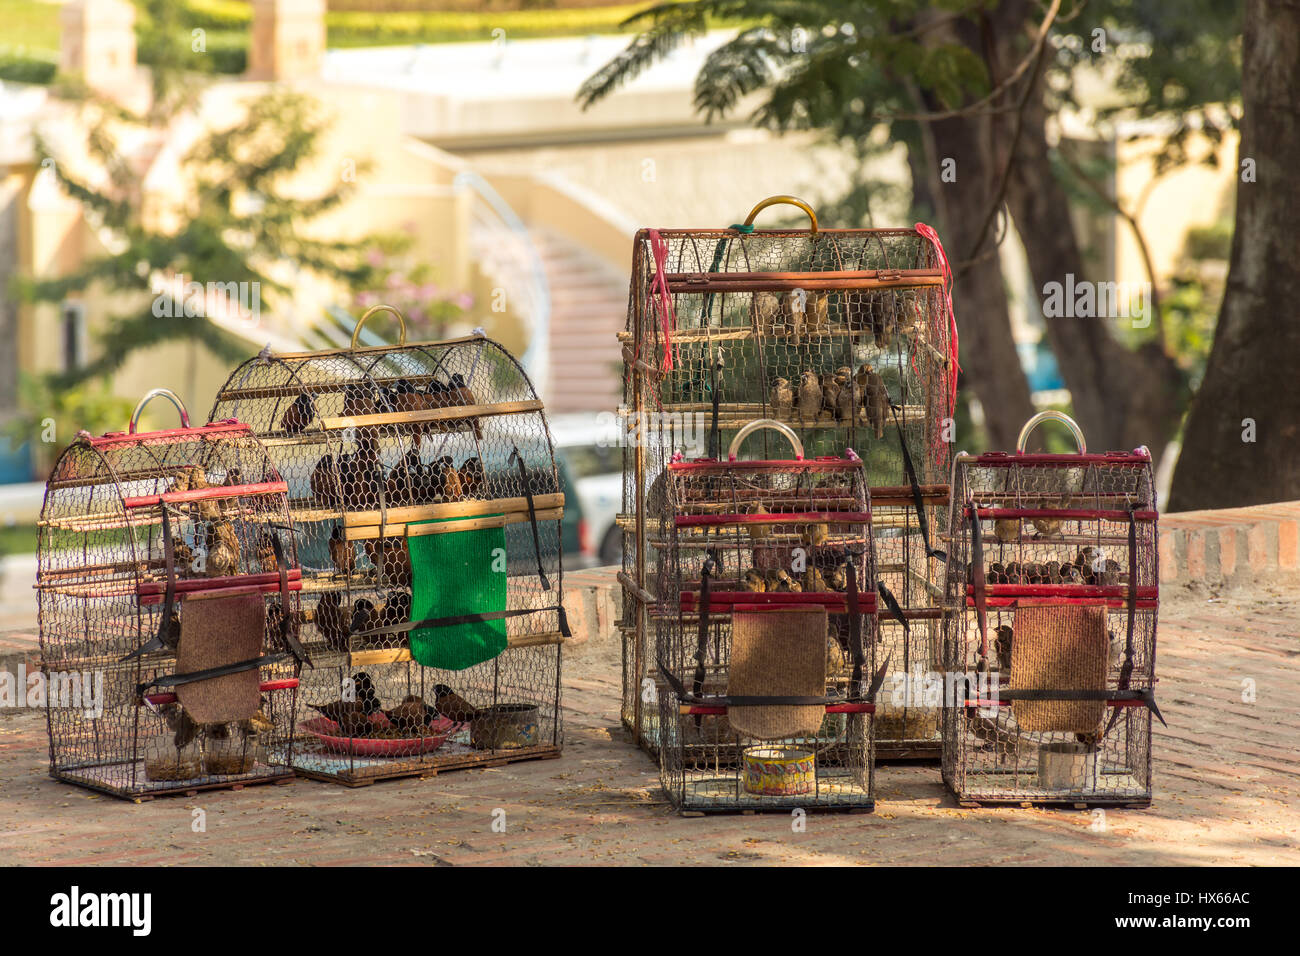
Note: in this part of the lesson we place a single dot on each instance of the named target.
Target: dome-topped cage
(167, 580)
(423, 486)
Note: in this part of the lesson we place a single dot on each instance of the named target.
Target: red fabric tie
(659, 288)
(933, 236)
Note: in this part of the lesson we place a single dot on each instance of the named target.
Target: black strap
(465, 619)
(977, 575)
(162, 638)
(703, 636)
(287, 637)
(753, 700)
(715, 437)
(532, 516)
(238, 667)
(1126, 669)
(855, 624)
(917, 498)
(1145, 694)
(891, 602)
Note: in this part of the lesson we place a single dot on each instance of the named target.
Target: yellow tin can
(779, 771)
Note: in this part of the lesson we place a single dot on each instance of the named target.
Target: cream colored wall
(1167, 206)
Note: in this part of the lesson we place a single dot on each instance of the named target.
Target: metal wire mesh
(101, 584)
(399, 460)
(775, 536)
(1065, 533)
(843, 335)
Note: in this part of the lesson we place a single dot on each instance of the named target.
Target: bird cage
(167, 579)
(765, 632)
(424, 491)
(847, 337)
(1053, 579)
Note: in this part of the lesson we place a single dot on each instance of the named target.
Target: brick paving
(1227, 780)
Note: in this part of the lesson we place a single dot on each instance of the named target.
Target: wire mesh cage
(1053, 577)
(167, 580)
(765, 632)
(424, 489)
(846, 336)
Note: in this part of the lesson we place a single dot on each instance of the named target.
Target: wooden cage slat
(449, 412)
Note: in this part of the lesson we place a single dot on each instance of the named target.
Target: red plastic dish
(326, 731)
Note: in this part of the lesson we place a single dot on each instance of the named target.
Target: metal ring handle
(1054, 416)
(371, 311)
(786, 201)
(759, 423)
(166, 393)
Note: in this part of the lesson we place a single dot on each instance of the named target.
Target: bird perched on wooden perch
(342, 554)
(1007, 530)
(1002, 645)
(875, 399)
(814, 535)
(753, 580)
(298, 415)
(758, 530)
(390, 557)
(363, 616)
(813, 580)
(847, 401)
(452, 706)
(453, 489)
(359, 399)
(782, 400)
(330, 623)
(810, 398)
(266, 553)
(830, 394)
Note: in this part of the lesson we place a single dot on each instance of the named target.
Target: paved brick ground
(1227, 784)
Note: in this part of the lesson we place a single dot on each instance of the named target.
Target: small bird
(830, 394)
(839, 579)
(1007, 530)
(779, 581)
(1052, 572)
(1071, 575)
(181, 724)
(330, 623)
(810, 398)
(782, 399)
(1002, 644)
(266, 559)
(363, 616)
(233, 477)
(359, 399)
(453, 489)
(452, 706)
(1013, 572)
(259, 723)
(396, 609)
(814, 535)
(223, 549)
(836, 659)
(404, 397)
(182, 556)
(754, 581)
(1046, 527)
(767, 309)
(342, 553)
(1110, 574)
(298, 415)
(876, 400)
(817, 313)
(758, 530)
(813, 580)
(324, 483)
(458, 393)
(192, 478)
(883, 322)
(412, 715)
(847, 401)
(391, 559)
(996, 574)
(472, 477)
(364, 703)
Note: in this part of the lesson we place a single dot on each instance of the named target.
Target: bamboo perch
(450, 509)
(467, 524)
(447, 413)
(398, 655)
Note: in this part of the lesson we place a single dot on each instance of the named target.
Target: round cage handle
(166, 393)
(356, 332)
(784, 201)
(761, 423)
(1054, 416)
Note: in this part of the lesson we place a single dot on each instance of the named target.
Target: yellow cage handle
(356, 332)
(784, 201)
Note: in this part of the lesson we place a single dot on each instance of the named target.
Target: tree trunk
(1121, 398)
(1252, 368)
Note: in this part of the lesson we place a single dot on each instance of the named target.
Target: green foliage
(68, 409)
(16, 67)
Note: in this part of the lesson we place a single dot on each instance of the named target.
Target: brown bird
(810, 399)
(192, 478)
(324, 483)
(883, 322)
(412, 715)
(342, 553)
(767, 309)
(1046, 527)
(359, 399)
(1002, 645)
(396, 609)
(390, 557)
(1007, 530)
(223, 549)
(403, 482)
(233, 477)
(830, 394)
(839, 579)
(298, 415)
(452, 706)
(758, 530)
(259, 723)
(453, 489)
(182, 725)
(875, 399)
(472, 477)
(361, 475)
(330, 623)
(814, 535)
(846, 403)
(458, 393)
(817, 320)
(364, 703)
(364, 616)
(182, 556)
(754, 581)
(782, 400)
(266, 553)
(813, 580)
